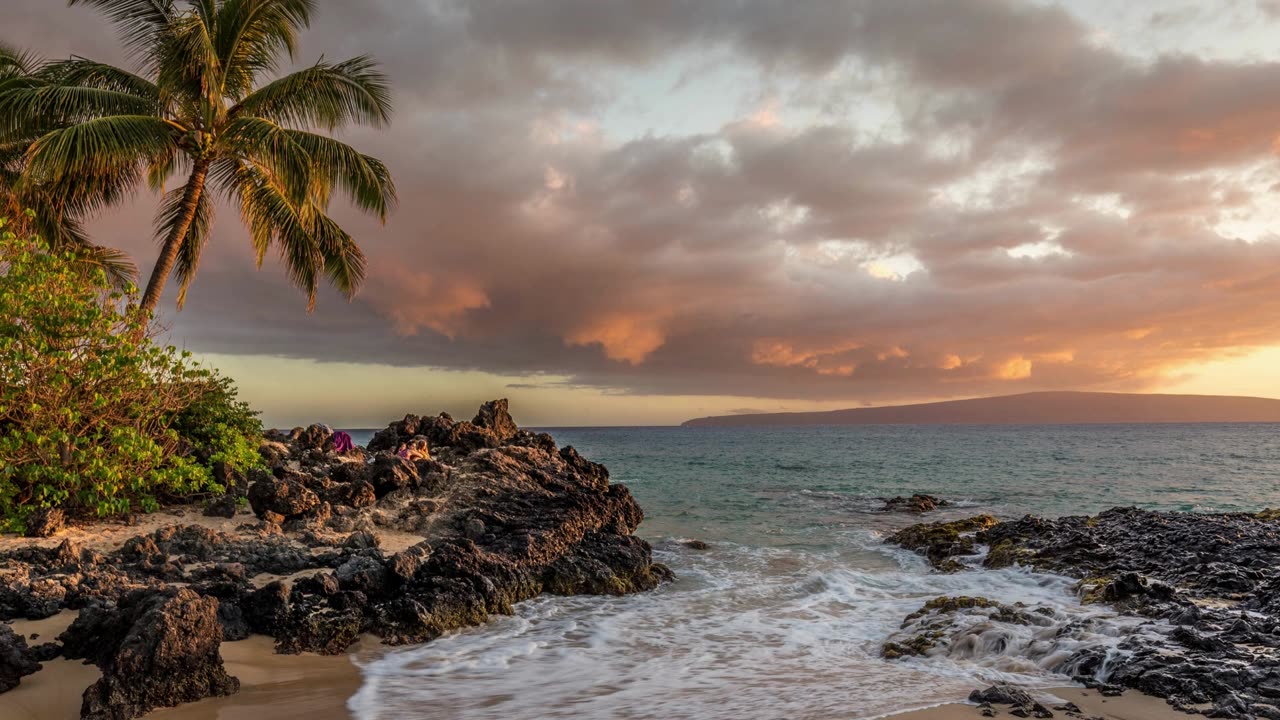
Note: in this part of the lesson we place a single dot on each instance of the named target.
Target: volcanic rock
(45, 522)
(917, 503)
(157, 650)
(16, 659)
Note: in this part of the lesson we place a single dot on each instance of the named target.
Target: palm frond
(187, 67)
(365, 179)
(100, 145)
(168, 216)
(273, 147)
(17, 63)
(251, 37)
(139, 21)
(64, 234)
(43, 106)
(272, 219)
(92, 74)
(328, 95)
(119, 267)
(344, 263)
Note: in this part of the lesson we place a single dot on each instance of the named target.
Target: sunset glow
(640, 212)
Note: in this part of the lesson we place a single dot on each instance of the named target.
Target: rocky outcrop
(917, 504)
(155, 650)
(493, 416)
(1019, 701)
(16, 659)
(1208, 585)
(45, 522)
(285, 497)
(943, 543)
(501, 515)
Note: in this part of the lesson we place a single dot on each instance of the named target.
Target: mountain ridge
(1064, 407)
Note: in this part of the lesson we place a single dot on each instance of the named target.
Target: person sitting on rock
(415, 449)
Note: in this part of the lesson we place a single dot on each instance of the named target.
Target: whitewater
(784, 614)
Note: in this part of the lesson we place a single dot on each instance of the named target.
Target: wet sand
(1130, 706)
(278, 687)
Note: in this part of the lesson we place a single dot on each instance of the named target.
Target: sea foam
(744, 632)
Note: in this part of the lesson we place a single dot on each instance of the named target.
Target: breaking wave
(748, 632)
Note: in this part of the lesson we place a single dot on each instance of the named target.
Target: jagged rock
(1021, 704)
(16, 659)
(45, 522)
(605, 564)
(44, 652)
(266, 610)
(918, 503)
(493, 416)
(390, 473)
(361, 540)
(314, 437)
(155, 650)
(349, 472)
(503, 514)
(231, 618)
(943, 542)
(358, 494)
(224, 507)
(287, 498)
(948, 621)
(404, 564)
(1215, 579)
(42, 598)
(274, 453)
(363, 574)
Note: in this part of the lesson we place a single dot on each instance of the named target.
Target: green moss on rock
(942, 542)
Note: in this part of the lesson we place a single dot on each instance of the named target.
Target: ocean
(784, 616)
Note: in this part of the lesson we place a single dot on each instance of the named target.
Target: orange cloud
(414, 300)
(790, 353)
(625, 337)
(1015, 368)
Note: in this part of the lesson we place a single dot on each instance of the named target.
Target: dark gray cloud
(759, 258)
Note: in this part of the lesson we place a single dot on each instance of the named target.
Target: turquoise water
(768, 482)
(785, 615)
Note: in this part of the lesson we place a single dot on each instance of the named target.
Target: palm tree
(56, 214)
(199, 107)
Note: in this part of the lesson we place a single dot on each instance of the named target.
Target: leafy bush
(219, 428)
(92, 418)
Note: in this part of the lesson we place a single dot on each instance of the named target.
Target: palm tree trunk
(173, 243)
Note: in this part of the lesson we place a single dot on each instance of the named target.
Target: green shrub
(219, 428)
(93, 419)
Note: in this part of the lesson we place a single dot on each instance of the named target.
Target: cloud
(915, 200)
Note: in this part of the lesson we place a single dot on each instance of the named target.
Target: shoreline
(314, 553)
(179, 606)
(317, 687)
(1132, 705)
(306, 686)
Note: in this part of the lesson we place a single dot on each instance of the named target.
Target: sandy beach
(282, 687)
(316, 687)
(1130, 706)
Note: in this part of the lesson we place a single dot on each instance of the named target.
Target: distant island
(1036, 408)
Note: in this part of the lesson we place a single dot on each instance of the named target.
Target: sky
(622, 212)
